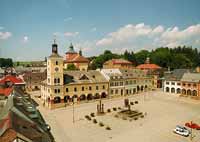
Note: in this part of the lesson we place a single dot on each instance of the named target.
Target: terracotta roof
(71, 56)
(13, 79)
(148, 66)
(77, 58)
(6, 91)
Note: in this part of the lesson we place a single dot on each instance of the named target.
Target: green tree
(71, 67)
(6, 62)
(141, 56)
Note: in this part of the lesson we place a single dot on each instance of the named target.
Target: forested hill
(178, 57)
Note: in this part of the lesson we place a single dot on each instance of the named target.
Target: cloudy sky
(28, 27)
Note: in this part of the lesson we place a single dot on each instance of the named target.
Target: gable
(83, 77)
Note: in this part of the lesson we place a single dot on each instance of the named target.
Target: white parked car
(182, 131)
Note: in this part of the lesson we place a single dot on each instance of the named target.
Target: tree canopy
(178, 57)
(6, 62)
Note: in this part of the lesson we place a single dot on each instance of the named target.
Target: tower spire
(54, 46)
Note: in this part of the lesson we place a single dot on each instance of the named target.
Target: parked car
(193, 125)
(182, 127)
(181, 131)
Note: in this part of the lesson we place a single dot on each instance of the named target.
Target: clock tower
(55, 73)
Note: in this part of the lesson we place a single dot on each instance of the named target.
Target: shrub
(88, 117)
(94, 121)
(116, 116)
(135, 118)
(108, 128)
(124, 118)
(108, 110)
(92, 114)
(115, 109)
(101, 124)
(136, 102)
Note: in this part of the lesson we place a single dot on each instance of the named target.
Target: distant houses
(184, 82)
(118, 64)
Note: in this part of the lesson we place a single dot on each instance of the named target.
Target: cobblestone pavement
(164, 112)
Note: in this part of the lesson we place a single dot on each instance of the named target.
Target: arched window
(55, 80)
(57, 100)
(56, 62)
(58, 80)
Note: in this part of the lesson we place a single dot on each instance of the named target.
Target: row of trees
(178, 57)
(6, 62)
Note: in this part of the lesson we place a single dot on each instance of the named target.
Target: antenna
(54, 40)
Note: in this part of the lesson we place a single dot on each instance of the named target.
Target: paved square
(164, 112)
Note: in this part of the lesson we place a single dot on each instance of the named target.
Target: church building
(72, 57)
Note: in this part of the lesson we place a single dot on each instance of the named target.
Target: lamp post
(73, 110)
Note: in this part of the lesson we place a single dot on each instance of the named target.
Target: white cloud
(93, 29)
(68, 19)
(5, 35)
(71, 34)
(25, 39)
(142, 36)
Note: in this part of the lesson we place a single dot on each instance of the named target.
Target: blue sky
(27, 27)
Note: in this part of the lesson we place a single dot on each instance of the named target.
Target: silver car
(181, 131)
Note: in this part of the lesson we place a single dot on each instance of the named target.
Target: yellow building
(62, 88)
(117, 64)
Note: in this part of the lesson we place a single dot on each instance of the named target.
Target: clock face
(56, 69)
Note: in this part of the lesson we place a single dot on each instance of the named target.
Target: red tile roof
(76, 59)
(6, 91)
(13, 79)
(148, 66)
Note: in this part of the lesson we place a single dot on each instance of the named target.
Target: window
(167, 83)
(58, 90)
(48, 80)
(183, 84)
(103, 87)
(83, 88)
(55, 80)
(189, 85)
(90, 88)
(126, 82)
(121, 83)
(55, 90)
(56, 62)
(179, 84)
(173, 83)
(67, 90)
(111, 84)
(58, 80)
(97, 87)
(116, 91)
(75, 89)
(48, 90)
(194, 85)
(111, 91)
